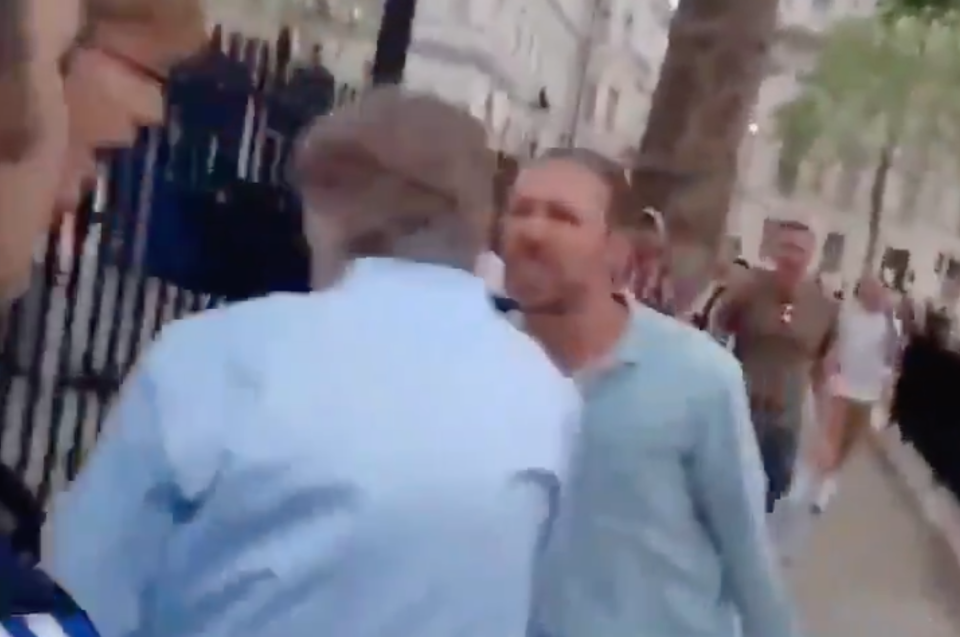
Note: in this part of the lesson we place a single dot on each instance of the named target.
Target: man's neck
(870, 307)
(577, 340)
(787, 286)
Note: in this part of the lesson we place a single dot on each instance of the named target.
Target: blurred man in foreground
(98, 66)
(663, 532)
(382, 457)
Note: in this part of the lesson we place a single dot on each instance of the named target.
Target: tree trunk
(717, 57)
(877, 191)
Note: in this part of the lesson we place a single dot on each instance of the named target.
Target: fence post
(393, 41)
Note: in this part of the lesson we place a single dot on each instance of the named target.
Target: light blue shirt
(663, 533)
(381, 459)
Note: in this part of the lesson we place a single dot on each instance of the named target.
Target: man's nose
(534, 228)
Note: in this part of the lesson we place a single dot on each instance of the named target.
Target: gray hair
(398, 174)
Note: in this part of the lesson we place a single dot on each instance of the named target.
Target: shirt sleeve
(729, 308)
(729, 486)
(108, 533)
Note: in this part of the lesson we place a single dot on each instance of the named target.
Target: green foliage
(884, 82)
(927, 9)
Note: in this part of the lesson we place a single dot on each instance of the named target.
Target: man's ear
(618, 257)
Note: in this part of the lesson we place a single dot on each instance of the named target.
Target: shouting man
(663, 531)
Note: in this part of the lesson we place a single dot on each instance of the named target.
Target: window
(910, 193)
(894, 267)
(488, 109)
(788, 168)
(953, 269)
(832, 259)
(613, 104)
(588, 106)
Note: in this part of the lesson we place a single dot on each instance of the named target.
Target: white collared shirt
(382, 459)
(490, 268)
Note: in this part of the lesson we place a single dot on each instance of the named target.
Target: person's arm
(106, 540)
(727, 312)
(729, 488)
(824, 364)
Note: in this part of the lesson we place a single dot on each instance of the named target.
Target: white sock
(805, 485)
(827, 491)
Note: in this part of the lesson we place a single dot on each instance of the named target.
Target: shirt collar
(429, 277)
(628, 349)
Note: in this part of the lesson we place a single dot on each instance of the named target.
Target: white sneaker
(826, 492)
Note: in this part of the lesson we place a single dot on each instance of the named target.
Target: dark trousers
(778, 450)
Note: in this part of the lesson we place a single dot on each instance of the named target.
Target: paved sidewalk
(873, 566)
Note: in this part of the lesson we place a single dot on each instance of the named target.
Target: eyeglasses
(135, 67)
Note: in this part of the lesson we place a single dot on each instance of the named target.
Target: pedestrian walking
(867, 348)
(783, 327)
(663, 531)
(383, 456)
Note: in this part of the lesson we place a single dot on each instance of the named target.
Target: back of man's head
(398, 174)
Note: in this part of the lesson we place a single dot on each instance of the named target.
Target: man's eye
(519, 209)
(563, 214)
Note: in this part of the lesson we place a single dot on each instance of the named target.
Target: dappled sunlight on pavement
(873, 567)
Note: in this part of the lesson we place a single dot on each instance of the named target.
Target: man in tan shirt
(784, 326)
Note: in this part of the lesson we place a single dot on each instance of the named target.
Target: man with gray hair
(381, 457)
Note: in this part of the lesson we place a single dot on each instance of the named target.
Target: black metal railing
(196, 215)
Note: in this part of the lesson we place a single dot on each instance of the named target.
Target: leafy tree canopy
(918, 8)
(877, 84)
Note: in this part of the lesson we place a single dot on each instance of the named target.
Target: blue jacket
(31, 605)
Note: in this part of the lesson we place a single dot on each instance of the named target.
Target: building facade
(539, 73)
(511, 63)
(543, 73)
(919, 238)
(627, 49)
